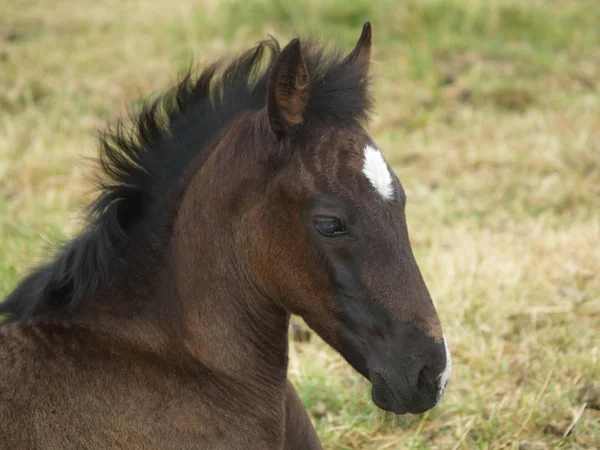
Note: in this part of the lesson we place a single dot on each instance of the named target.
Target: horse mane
(144, 159)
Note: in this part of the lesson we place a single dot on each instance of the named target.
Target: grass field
(488, 110)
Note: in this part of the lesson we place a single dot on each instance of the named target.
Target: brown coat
(66, 388)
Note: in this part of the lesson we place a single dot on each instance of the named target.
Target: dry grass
(489, 112)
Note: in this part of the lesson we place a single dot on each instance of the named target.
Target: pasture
(489, 111)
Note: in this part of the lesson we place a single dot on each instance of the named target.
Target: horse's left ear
(288, 90)
(361, 55)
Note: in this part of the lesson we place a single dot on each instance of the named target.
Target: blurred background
(488, 110)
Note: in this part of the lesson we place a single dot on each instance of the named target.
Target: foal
(248, 194)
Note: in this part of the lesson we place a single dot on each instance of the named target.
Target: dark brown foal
(247, 194)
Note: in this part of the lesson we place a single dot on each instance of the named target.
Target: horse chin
(384, 397)
(388, 398)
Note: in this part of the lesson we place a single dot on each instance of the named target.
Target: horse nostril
(426, 378)
(422, 380)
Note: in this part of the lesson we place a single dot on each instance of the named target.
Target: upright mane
(143, 161)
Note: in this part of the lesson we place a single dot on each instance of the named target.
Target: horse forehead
(332, 157)
(336, 161)
(340, 153)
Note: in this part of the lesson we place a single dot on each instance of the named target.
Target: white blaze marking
(446, 374)
(376, 170)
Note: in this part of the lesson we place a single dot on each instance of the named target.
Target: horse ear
(288, 90)
(361, 55)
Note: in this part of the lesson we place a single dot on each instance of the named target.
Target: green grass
(488, 110)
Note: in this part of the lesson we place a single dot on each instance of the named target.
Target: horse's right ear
(288, 90)
(361, 55)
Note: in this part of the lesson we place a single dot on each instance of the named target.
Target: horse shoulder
(299, 430)
(55, 382)
(16, 360)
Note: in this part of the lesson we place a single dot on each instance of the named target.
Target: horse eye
(329, 226)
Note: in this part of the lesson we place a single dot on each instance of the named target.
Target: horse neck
(194, 300)
(197, 294)
(230, 325)
(198, 309)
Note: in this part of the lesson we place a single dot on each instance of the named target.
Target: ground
(489, 111)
